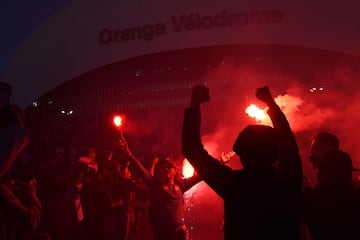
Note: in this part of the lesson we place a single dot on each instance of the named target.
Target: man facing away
(331, 208)
(261, 201)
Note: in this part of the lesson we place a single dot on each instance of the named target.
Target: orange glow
(187, 170)
(117, 121)
(255, 112)
(289, 105)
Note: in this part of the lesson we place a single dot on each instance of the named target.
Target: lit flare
(117, 121)
(255, 112)
(187, 170)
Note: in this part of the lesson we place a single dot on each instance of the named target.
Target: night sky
(18, 18)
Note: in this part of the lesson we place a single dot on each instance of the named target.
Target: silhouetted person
(13, 136)
(123, 192)
(104, 159)
(322, 143)
(97, 204)
(59, 214)
(260, 201)
(88, 162)
(332, 209)
(166, 196)
(20, 208)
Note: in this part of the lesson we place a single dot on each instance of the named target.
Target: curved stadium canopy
(88, 34)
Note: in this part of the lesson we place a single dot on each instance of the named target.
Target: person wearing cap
(331, 208)
(261, 201)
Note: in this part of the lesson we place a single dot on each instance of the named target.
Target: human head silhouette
(322, 143)
(257, 147)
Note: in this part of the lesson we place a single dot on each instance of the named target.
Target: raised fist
(200, 94)
(264, 95)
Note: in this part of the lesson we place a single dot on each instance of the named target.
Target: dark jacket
(257, 205)
(332, 212)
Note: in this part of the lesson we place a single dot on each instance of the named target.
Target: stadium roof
(79, 36)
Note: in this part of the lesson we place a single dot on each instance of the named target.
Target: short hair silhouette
(257, 146)
(327, 139)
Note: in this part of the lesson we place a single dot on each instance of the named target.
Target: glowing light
(187, 170)
(254, 112)
(314, 89)
(117, 121)
(138, 73)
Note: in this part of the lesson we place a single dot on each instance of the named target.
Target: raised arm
(26, 207)
(190, 182)
(209, 169)
(154, 161)
(289, 159)
(124, 147)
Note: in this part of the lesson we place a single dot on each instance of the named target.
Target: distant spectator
(331, 208)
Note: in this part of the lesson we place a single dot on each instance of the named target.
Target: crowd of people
(115, 195)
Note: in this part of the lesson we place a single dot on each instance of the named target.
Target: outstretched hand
(200, 94)
(225, 157)
(155, 160)
(264, 95)
(123, 144)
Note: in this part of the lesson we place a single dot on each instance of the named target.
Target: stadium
(91, 59)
